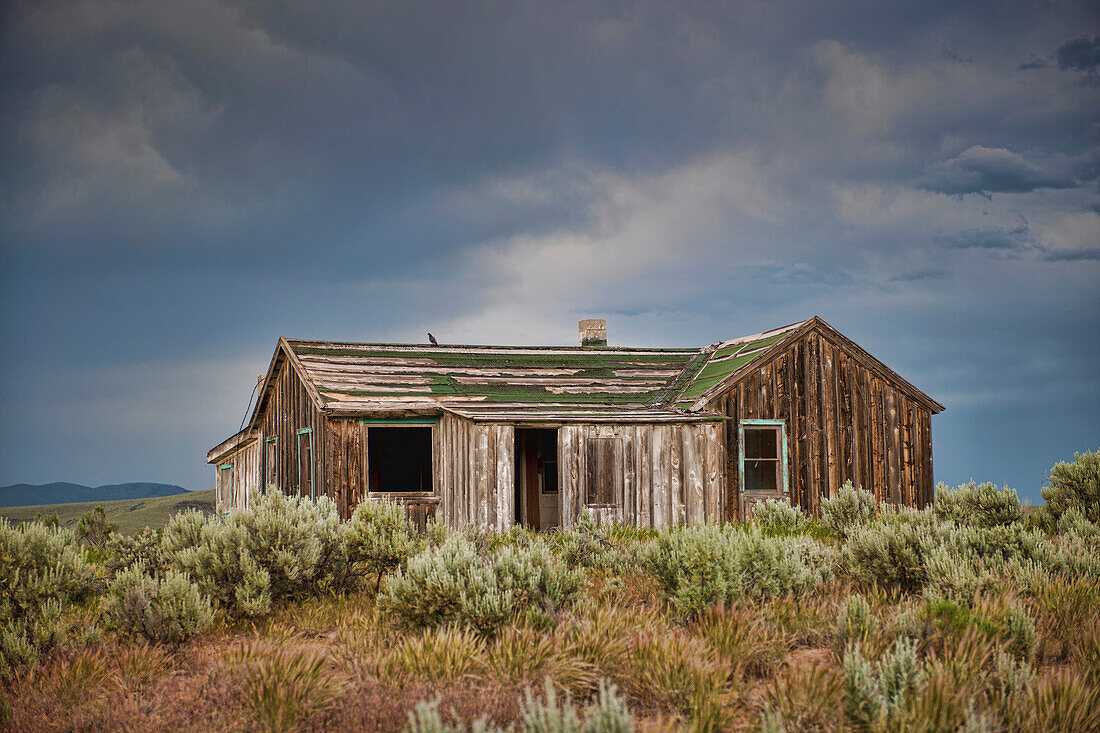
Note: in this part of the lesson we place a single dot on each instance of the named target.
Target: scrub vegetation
(973, 615)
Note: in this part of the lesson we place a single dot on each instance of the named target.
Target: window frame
(312, 488)
(221, 487)
(780, 426)
(432, 423)
(271, 463)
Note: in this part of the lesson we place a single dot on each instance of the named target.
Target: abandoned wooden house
(503, 435)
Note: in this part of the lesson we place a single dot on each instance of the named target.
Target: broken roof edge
(490, 348)
(232, 444)
(282, 346)
(798, 330)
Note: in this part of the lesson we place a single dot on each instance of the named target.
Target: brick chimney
(593, 332)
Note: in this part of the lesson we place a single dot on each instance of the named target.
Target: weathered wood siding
(288, 410)
(845, 421)
(346, 459)
(243, 476)
(664, 474)
(474, 473)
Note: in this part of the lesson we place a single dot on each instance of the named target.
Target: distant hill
(130, 515)
(66, 493)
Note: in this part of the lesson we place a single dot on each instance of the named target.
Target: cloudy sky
(182, 183)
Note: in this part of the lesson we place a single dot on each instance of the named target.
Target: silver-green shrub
(889, 555)
(280, 547)
(380, 538)
(776, 515)
(43, 572)
(606, 713)
(877, 693)
(426, 718)
(146, 548)
(979, 504)
(1074, 486)
(168, 610)
(701, 565)
(453, 584)
(587, 545)
(850, 508)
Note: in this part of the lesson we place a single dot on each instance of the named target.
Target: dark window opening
(399, 459)
(763, 458)
(547, 460)
(600, 471)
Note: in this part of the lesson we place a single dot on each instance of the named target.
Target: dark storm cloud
(1082, 255)
(983, 170)
(1080, 54)
(181, 183)
(1014, 240)
(1036, 63)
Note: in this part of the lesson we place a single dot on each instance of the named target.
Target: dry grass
(334, 663)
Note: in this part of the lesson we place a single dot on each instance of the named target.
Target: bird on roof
(432, 339)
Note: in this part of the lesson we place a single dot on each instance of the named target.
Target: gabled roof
(558, 383)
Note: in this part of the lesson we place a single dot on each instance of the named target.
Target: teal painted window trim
(782, 428)
(269, 477)
(400, 421)
(312, 488)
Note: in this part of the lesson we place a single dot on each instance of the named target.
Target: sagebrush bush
(43, 572)
(877, 693)
(168, 610)
(979, 504)
(606, 713)
(146, 548)
(1074, 486)
(380, 538)
(453, 584)
(587, 545)
(851, 507)
(776, 515)
(280, 547)
(698, 566)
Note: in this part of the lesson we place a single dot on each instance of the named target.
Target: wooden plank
(628, 508)
(676, 478)
(661, 475)
(693, 480)
(644, 484)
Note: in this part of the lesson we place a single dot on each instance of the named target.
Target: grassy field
(130, 515)
(970, 615)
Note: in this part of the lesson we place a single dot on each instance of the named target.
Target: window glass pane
(399, 459)
(761, 474)
(761, 443)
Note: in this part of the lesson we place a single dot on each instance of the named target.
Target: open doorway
(537, 498)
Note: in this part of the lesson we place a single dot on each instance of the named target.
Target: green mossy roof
(345, 374)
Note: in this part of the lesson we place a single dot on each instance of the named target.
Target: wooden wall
(666, 474)
(289, 409)
(845, 421)
(244, 476)
(474, 473)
